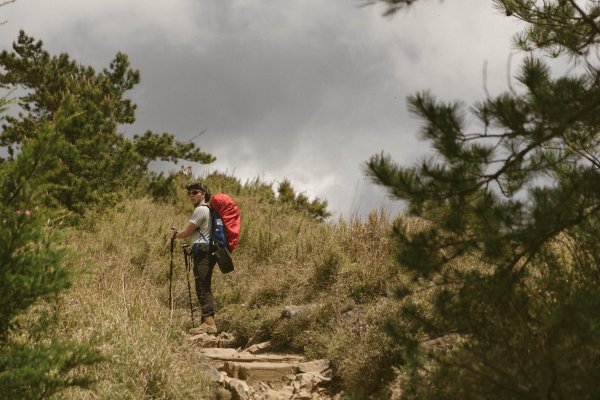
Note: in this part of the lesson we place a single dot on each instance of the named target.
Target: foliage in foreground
(33, 365)
(509, 258)
(61, 156)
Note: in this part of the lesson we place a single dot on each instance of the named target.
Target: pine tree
(316, 209)
(504, 300)
(86, 108)
(32, 364)
(64, 155)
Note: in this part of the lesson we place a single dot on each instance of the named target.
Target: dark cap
(197, 186)
(200, 186)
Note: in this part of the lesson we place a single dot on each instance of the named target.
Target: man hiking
(199, 228)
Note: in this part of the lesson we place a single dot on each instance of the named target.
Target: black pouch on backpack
(223, 258)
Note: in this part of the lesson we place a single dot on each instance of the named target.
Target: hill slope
(342, 273)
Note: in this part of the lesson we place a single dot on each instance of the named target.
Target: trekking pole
(186, 257)
(171, 276)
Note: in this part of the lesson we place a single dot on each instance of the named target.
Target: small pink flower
(18, 212)
(27, 212)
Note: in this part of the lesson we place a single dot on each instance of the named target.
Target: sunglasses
(194, 192)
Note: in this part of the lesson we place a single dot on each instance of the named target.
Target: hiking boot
(207, 326)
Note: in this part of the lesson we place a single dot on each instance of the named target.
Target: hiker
(198, 228)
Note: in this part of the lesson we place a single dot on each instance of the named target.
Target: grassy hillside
(342, 272)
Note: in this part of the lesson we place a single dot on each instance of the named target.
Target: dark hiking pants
(203, 269)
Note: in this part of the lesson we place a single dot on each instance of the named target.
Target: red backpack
(230, 215)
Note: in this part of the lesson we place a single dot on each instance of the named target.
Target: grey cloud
(306, 90)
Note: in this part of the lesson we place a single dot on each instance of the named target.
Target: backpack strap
(210, 223)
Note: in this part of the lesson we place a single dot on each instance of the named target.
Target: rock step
(260, 370)
(224, 354)
(257, 374)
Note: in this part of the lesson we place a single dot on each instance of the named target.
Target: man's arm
(186, 232)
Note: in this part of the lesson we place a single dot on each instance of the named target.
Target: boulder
(204, 340)
(239, 389)
(310, 380)
(288, 390)
(316, 366)
(259, 348)
(303, 395)
(211, 372)
(255, 339)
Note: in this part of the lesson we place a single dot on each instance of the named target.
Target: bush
(33, 364)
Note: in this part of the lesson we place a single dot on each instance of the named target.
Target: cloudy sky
(305, 90)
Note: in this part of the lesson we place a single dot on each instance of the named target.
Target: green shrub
(33, 273)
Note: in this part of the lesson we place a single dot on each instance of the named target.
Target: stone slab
(224, 354)
(260, 371)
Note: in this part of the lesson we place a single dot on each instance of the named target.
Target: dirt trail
(255, 373)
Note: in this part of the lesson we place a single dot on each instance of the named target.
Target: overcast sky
(305, 90)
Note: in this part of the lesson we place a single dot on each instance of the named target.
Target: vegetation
(32, 364)
(119, 302)
(315, 209)
(85, 108)
(80, 305)
(486, 290)
(508, 258)
(284, 258)
(62, 157)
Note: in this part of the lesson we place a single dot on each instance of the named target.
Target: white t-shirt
(201, 218)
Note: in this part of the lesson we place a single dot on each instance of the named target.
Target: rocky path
(255, 373)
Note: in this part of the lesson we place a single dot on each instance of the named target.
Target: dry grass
(120, 302)
(342, 272)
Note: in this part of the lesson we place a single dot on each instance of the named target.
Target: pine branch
(585, 17)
